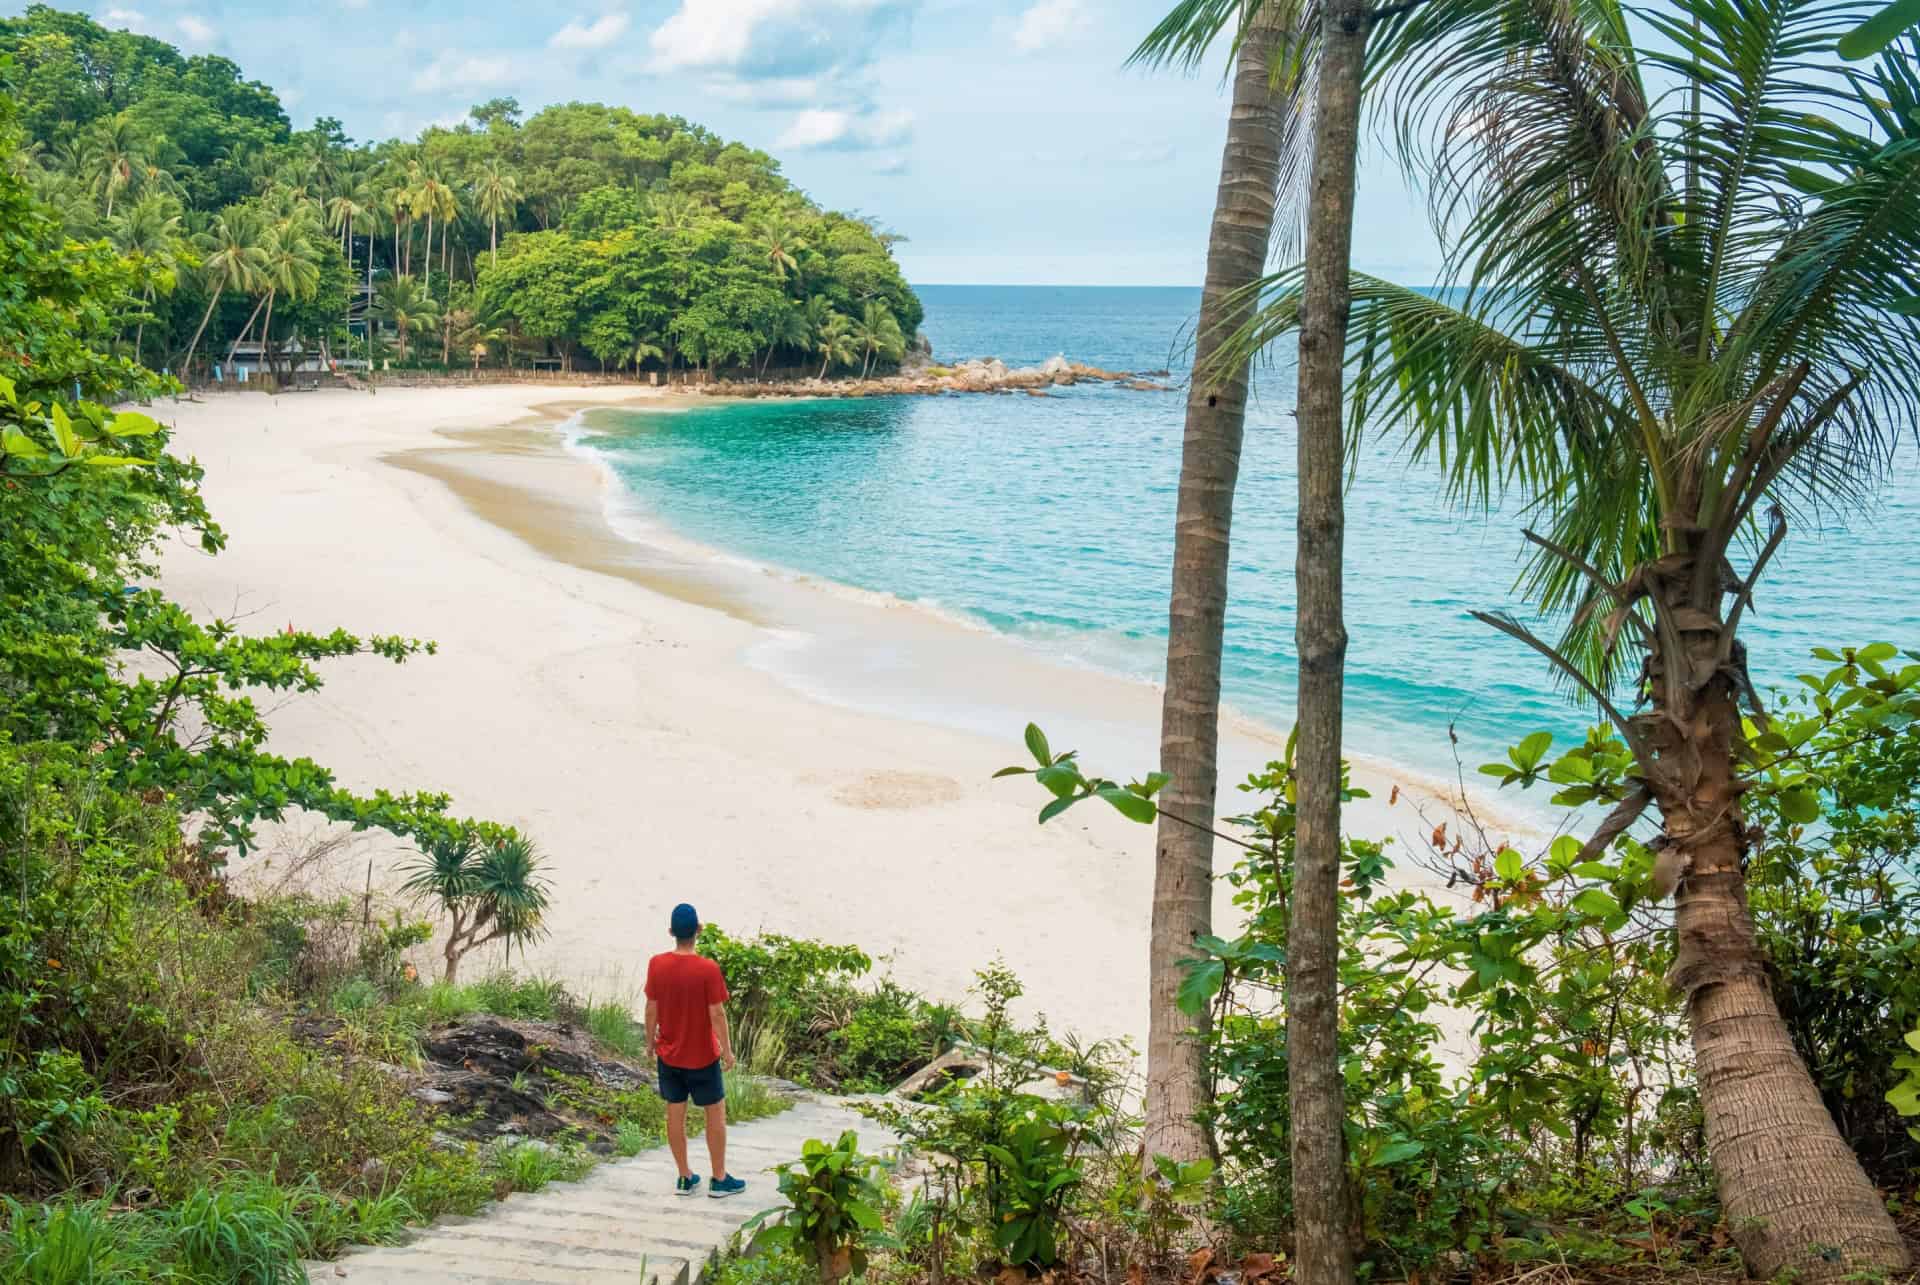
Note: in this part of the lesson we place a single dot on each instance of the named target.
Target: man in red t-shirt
(687, 1026)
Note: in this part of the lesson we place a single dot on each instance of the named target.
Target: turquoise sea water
(1050, 519)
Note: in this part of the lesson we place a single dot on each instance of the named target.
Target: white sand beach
(628, 705)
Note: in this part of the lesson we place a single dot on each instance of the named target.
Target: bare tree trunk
(1796, 1200)
(1315, 1091)
(1196, 619)
(244, 329)
(266, 340)
(187, 361)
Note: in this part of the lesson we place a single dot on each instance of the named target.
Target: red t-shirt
(682, 987)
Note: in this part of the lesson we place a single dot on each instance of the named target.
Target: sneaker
(686, 1186)
(721, 1188)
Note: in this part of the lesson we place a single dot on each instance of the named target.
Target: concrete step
(622, 1222)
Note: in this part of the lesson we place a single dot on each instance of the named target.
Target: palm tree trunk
(244, 330)
(1796, 1200)
(266, 340)
(187, 361)
(396, 247)
(1196, 618)
(1315, 1090)
(139, 331)
(427, 281)
(493, 239)
(823, 365)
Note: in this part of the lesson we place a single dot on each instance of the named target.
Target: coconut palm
(790, 329)
(115, 156)
(496, 194)
(406, 306)
(828, 333)
(674, 211)
(147, 233)
(778, 244)
(289, 266)
(877, 335)
(433, 199)
(1261, 126)
(230, 258)
(1680, 317)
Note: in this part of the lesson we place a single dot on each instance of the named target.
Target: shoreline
(639, 712)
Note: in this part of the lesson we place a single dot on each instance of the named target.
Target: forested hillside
(587, 234)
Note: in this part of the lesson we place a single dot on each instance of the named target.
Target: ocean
(1050, 520)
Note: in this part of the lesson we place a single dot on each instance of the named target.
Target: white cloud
(597, 34)
(461, 71)
(1047, 23)
(774, 37)
(196, 29)
(131, 19)
(816, 128)
(779, 91)
(833, 128)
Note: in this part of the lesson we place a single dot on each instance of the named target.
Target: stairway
(621, 1223)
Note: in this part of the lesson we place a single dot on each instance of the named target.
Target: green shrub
(613, 1026)
(530, 1165)
(68, 1242)
(242, 1232)
(832, 1211)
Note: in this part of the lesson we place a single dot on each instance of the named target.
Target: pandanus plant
(490, 888)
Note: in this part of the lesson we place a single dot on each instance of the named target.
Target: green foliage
(489, 884)
(833, 1208)
(529, 1165)
(1061, 775)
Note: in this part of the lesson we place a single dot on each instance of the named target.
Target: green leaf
(7, 391)
(1906, 305)
(112, 461)
(1879, 31)
(865, 1215)
(1129, 805)
(15, 442)
(1509, 865)
(1594, 902)
(1055, 808)
(1560, 856)
(1913, 1040)
(1800, 804)
(131, 423)
(63, 435)
(1037, 745)
(1202, 982)
(1011, 771)
(1060, 780)
(1528, 753)
(1395, 1152)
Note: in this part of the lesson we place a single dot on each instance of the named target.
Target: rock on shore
(925, 378)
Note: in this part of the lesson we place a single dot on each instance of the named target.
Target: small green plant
(530, 1165)
(833, 1208)
(613, 1025)
(1905, 1096)
(1034, 1175)
(631, 1138)
(490, 889)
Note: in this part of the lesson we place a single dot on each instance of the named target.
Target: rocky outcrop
(919, 378)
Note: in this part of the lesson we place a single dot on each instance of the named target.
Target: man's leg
(677, 1134)
(716, 1139)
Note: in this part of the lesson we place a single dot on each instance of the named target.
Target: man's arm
(718, 1012)
(652, 1020)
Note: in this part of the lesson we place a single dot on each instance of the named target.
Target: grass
(531, 1165)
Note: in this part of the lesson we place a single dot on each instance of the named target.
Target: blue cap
(686, 922)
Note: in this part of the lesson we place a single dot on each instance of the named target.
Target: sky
(1006, 139)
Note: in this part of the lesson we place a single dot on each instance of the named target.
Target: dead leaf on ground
(1197, 1264)
(1255, 1266)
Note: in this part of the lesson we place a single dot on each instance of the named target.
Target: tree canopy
(588, 233)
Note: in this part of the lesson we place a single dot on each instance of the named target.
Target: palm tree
(430, 199)
(351, 203)
(877, 334)
(407, 307)
(779, 244)
(1260, 128)
(1675, 313)
(116, 156)
(830, 334)
(496, 194)
(790, 329)
(674, 211)
(289, 266)
(230, 258)
(147, 233)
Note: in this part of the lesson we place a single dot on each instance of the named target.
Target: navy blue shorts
(704, 1086)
